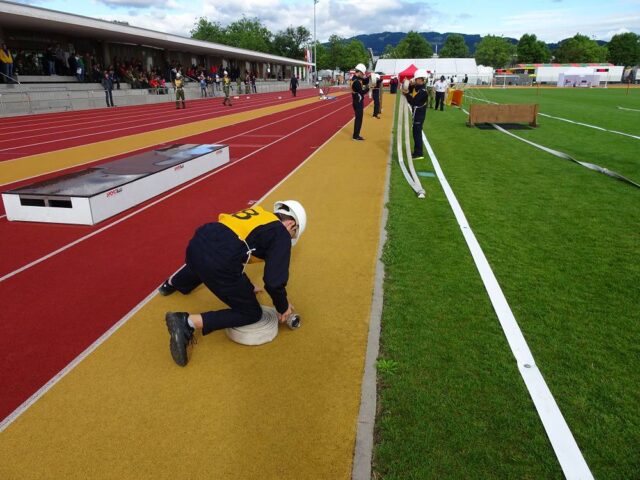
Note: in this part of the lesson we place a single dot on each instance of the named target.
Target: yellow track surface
(32, 165)
(284, 410)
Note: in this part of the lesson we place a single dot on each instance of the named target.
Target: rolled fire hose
(263, 331)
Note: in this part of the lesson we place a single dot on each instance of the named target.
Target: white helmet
(178, 75)
(225, 73)
(294, 209)
(361, 68)
(420, 73)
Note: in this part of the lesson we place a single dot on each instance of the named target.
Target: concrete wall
(30, 99)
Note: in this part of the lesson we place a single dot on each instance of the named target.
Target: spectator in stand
(114, 78)
(79, 67)
(253, 83)
(6, 64)
(50, 61)
(107, 84)
(247, 83)
(97, 73)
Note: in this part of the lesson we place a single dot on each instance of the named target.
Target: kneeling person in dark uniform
(417, 97)
(217, 256)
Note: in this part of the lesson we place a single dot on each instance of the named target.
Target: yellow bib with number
(245, 221)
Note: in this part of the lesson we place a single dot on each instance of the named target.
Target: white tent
(449, 67)
(579, 77)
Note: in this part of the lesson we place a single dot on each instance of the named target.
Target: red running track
(20, 137)
(54, 310)
(20, 235)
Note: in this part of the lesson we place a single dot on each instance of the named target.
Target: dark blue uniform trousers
(217, 261)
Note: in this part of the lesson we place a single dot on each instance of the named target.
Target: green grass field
(564, 243)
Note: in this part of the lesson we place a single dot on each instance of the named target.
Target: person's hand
(282, 317)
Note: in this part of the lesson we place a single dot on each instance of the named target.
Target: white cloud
(134, 3)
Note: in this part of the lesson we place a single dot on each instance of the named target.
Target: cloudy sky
(550, 20)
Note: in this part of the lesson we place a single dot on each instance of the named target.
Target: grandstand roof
(19, 16)
(445, 66)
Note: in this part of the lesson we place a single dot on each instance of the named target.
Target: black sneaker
(358, 138)
(166, 289)
(181, 336)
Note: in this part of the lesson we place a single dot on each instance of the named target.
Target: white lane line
(136, 149)
(160, 122)
(569, 121)
(2, 216)
(169, 115)
(105, 336)
(155, 202)
(564, 445)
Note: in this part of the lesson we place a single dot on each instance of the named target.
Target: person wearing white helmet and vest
(179, 83)
(359, 88)
(376, 93)
(417, 97)
(226, 88)
(217, 256)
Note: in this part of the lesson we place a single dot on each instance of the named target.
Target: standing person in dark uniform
(417, 97)
(226, 88)
(359, 88)
(107, 84)
(217, 256)
(293, 85)
(376, 92)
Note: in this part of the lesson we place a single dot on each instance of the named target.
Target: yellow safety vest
(242, 223)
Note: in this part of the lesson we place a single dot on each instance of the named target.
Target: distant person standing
(441, 86)
(107, 84)
(431, 92)
(466, 78)
(179, 83)
(254, 89)
(293, 85)
(226, 88)
(359, 88)
(203, 85)
(239, 84)
(376, 93)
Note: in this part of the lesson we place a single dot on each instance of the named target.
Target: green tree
(413, 45)
(532, 50)
(323, 61)
(454, 47)
(354, 53)
(249, 33)
(580, 49)
(494, 51)
(624, 49)
(388, 52)
(290, 42)
(209, 31)
(336, 52)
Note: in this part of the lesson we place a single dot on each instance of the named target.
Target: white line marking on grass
(569, 455)
(629, 109)
(570, 121)
(105, 336)
(184, 187)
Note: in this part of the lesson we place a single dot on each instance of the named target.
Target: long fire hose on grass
(565, 156)
(404, 114)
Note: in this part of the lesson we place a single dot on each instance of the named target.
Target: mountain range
(377, 41)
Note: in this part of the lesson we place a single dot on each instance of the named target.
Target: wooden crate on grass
(480, 113)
